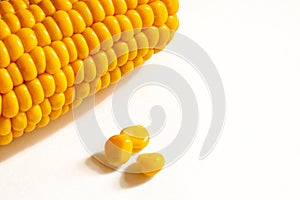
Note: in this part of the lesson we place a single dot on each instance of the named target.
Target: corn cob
(55, 53)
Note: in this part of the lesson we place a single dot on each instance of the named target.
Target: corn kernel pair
(119, 148)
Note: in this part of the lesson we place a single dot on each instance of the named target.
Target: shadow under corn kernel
(39, 134)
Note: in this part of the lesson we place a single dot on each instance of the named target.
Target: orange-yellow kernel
(108, 7)
(6, 81)
(27, 67)
(131, 4)
(78, 69)
(24, 97)
(120, 7)
(28, 38)
(142, 44)
(53, 29)
(101, 61)
(47, 7)
(172, 22)
(146, 14)
(55, 114)
(46, 107)
(26, 18)
(15, 74)
(60, 81)
(12, 21)
(138, 135)
(6, 139)
(82, 90)
(35, 1)
(126, 27)
(77, 21)
(4, 31)
(6, 7)
(104, 35)
(37, 12)
(68, 71)
(92, 40)
(36, 90)
(148, 55)
(150, 163)
(4, 55)
(160, 13)
(118, 149)
(96, 9)
(39, 58)
(30, 127)
(89, 69)
(172, 6)
(81, 46)
(113, 26)
(62, 52)
(84, 11)
(105, 79)
(34, 114)
(14, 47)
(138, 61)
(133, 49)
(42, 34)
(5, 126)
(122, 52)
(65, 109)
(140, 2)
(115, 75)
(62, 4)
(10, 105)
(112, 59)
(57, 101)
(135, 20)
(17, 134)
(44, 122)
(94, 86)
(69, 95)
(0, 104)
(48, 84)
(128, 67)
(64, 23)
(52, 60)
(71, 49)
(17, 4)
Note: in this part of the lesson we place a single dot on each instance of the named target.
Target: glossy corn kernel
(118, 149)
(150, 163)
(138, 135)
(55, 53)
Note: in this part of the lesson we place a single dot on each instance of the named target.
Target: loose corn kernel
(138, 135)
(150, 163)
(118, 149)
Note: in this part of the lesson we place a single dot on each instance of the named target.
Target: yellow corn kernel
(6, 81)
(148, 55)
(78, 69)
(53, 29)
(84, 11)
(36, 90)
(52, 60)
(42, 34)
(6, 7)
(28, 38)
(15, 74)
(122, 52)
(37, 12)
(17, 4)
(62, 4)
(30, 127)
(44, 122)
(76, 103)
(164, 35)
(150, 163)
(65, 109)
(12, 21)
(126, 27)
(5, 126)
(113, 26)
(146, 13)
(105, 79)
(172, 22)
(138, 61)
(118, 149)
(152, 34)
(89, 69)
(17, 134)
(133, 49)
(95, 85)
(71, 49)
(47, 7)
(115, 75)
(77, 21)
(39, 58)
(62, 52)
(64, 22)
(4, 55)
(6, 139)
(142, 44)
(135, 20)
(101, 61)
(120, 7)
(57, 101)
(172, 6)
(131, 4)
(48, 84)
(19, 122)
(103, 35)
(160, 13)
(55, 114)
(138, 135)
(69, 95)
(112, 59)
(46, 107)
(35, 1)
(34, 114)
(92, 40)
(81, 46)
(128, 67)
(10, 105)
(96, 9)
(82, 90)
(140, 2)
(26, 18)
(27, 67)
(24, 97)
(108, 7)
(70, 76)
(60, 81)
(14, 47)
(4, 31)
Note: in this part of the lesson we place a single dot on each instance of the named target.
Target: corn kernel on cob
(55, 53)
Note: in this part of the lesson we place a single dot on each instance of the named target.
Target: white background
(255, 45)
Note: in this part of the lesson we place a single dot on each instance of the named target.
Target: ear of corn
(55, 53)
